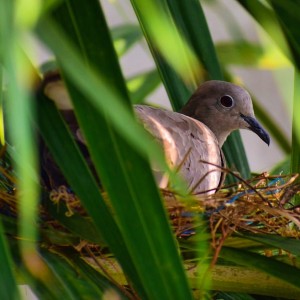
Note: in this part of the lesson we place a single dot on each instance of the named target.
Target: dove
(191, 138)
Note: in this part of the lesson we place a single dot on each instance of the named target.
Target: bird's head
(224, 107)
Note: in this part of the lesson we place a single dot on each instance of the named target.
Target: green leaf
(74, 279)
(83, 227)
(72, 163)
(239, 53)
(2, 132)
(44, 290)
(21, 111)
(142, 85)
(288, 244)
(125, 36)
(10, 225)
(282, 167)
(271, 266)
(90, 274)
(233, 148)
(190, 20)
(251, 281)
(233, 296)
(69, 277)
(173, 56)
(289, 20)
(265, 16)
(295, 155)
(125, 175)
(8, 284)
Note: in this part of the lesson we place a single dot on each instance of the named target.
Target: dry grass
(260, 205)
(263, 204)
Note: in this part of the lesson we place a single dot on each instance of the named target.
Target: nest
(263, 204)
(260, 205)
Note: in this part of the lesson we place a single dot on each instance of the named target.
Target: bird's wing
(189, 146)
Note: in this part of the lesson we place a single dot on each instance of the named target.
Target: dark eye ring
(226, 101)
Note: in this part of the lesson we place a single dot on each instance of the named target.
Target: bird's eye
(226, 101)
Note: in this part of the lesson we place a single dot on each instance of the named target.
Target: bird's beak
(257, 128)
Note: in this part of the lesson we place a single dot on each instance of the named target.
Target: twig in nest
(241, 179)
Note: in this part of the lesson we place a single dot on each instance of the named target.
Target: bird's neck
(221, 136)
(219, 131)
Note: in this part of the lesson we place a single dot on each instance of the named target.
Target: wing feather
(187, 144)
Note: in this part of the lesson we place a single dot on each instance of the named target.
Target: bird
(191, 139)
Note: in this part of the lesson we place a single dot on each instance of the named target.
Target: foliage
(120, 243)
